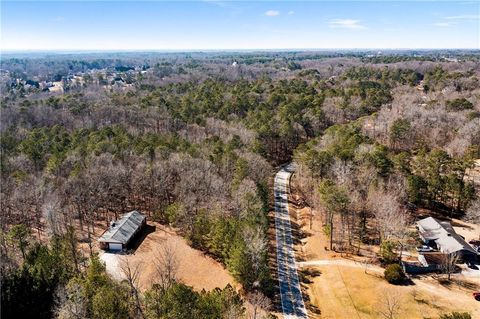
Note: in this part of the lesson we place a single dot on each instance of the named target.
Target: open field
(347, 292)
(194, 267)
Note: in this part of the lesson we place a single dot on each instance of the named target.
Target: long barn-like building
(120, 232)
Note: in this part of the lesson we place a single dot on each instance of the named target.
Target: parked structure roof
(447, 240)
(124, 228)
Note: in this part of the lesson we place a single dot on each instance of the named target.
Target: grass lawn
(346, 292)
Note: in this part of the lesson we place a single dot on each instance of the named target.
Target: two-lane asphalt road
(290, 290)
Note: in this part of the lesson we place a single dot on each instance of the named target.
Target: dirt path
(340, 262)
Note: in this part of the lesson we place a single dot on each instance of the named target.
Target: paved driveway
(290, 290)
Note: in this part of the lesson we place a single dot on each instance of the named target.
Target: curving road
(293, 306)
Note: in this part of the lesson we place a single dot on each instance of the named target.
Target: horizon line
(178, 50)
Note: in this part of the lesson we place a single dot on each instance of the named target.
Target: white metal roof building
(444, 237)
(120, 232)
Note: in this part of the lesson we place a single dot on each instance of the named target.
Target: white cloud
(272, 13)
(453, 20)
(464, 17)
(291, 12)
(442, 24)
(346, 24)
(222, 4)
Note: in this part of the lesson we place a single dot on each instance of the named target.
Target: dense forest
(192, 140)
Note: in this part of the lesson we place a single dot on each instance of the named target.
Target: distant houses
(56, 87)
(109, 78)
(120, 233)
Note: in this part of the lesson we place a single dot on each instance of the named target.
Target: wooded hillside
(192, 141)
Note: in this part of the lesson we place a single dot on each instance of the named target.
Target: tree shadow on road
(297, 232)
(311, 308)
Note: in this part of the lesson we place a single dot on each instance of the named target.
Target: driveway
(112, 264)
(290, 289)
(340, 262)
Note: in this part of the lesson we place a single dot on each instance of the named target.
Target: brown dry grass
(468, 230)
(194, 267)
(345, 292)
(337, 291)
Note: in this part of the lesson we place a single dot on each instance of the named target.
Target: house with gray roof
(120, 232)
(442, 236)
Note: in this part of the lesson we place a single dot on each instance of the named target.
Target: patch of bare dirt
(194, 267)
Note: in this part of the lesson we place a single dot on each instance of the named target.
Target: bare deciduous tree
(246, 201)
(52, 214)
(166, 265)
(390, 216)
(473, 212)
(131, 273)
(71, 301)
(256, 245)
(260, 304)
(449, 263)
(233, 311)
(390, 305)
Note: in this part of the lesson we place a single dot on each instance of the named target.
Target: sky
(237, 25)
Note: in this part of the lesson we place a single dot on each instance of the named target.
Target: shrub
(456, 315)
(326, 230)
(394, 274)
(473, 115)
(387, 253)
(459, 105)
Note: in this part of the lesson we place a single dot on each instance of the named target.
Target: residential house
(121, 232)
(442, 236)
